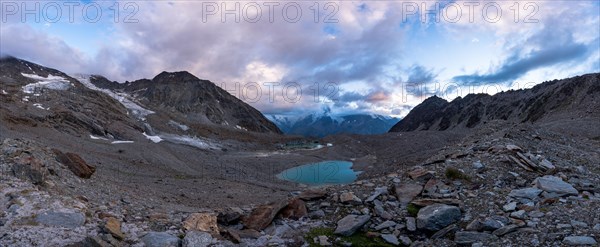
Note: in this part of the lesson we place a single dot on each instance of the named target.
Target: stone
(578, 224)
(445, 231)
(521, 214)
(309, 195)
(411, 224)
(378, 191)
(472, 237)
(350, 224)
(510, 207)
(113, 226)
(407, 192)
(205, 222)
(505, 230)
(552, 184)
(579, 240)
(384, 225)
(380, 211)
(75, 163)
(437, 216)
(420, 174)
(197, 238)
(295, 209)
(390, 238)
(160, 239)
(597, 227)
(349, 197)
(262, 216)
(528, 193)
(318, 214)
(478, 165)
(324, 241)
(230, 216)
(249, 233)
(492, 223)
(405, 240)
(30, 168)
(61, 219)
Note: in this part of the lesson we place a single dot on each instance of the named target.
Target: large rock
(75, 163)
(528, 193)
(205, 222)
(407, 192)
(579, 240)
(262, 216)
(197, 239)
(437, 216)
(350, 224)
(295, 209)
(113, 226)
(349, 197)
(552, 184)
(472, 237)
(160, 239)
(61, 219)
(314, 194)
(31, 169)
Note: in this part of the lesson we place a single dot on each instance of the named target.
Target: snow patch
(155, 139)
(4, 92)
(51, 82)
(178, 125)
(93, 137)
(38, 105)
(190, 141)
(123, 98)
(241, 128)
(121, 142)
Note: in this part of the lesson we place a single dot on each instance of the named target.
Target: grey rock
(380, 211)
(505, 230)
(578, 224)
(60, 219)
(579, 240)
(521, 214)
(491, 224)
(390, 238)
(552, 184)
(411, 224)
(437, 216)
(445, 231)
(317, 214)
(510, 207)
(472, 237)
(478, 165)
(597, 227)
(324, 241)
(405, 240)
(528, 193)
(160, 239)
(384, 225)
(378, 191)
(349, 224)
(407, 192)
(536, 214)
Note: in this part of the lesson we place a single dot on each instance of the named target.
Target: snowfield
(51, 82)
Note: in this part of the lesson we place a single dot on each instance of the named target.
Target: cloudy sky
(298, 57)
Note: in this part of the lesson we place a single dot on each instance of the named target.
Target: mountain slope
(194, 101)
(577, 97)
(322, 125)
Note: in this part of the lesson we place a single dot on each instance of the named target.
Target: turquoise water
(322, 173)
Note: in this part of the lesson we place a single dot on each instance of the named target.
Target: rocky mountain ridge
(315, 125)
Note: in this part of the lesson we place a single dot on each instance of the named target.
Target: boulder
(407, 192)
(61, 219)
(160, 239)
(75, 163)
(472, 237)
(197, 239)
(579, 240)
(437, 216)
(205, 222)
(262, 216)
(390, 238)
(350, 224)
(113, 226)
(552, 184)
(350, 198)
(528, 193)
(420, 174)
(309, 195)
(30, 168)
(295, 209)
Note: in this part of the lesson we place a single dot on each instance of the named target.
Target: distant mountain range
(320, 125)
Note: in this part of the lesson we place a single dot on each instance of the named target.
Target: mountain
(550, 101)
(192, 100)
(320, 125)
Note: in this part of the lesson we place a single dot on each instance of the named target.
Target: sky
(299, 57)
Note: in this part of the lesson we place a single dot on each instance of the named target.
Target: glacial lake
(321, 173)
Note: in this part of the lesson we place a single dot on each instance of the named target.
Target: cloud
(553, 45)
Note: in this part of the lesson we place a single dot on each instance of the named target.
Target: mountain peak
(175, 76)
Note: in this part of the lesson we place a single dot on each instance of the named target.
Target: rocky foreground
(521, 186)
